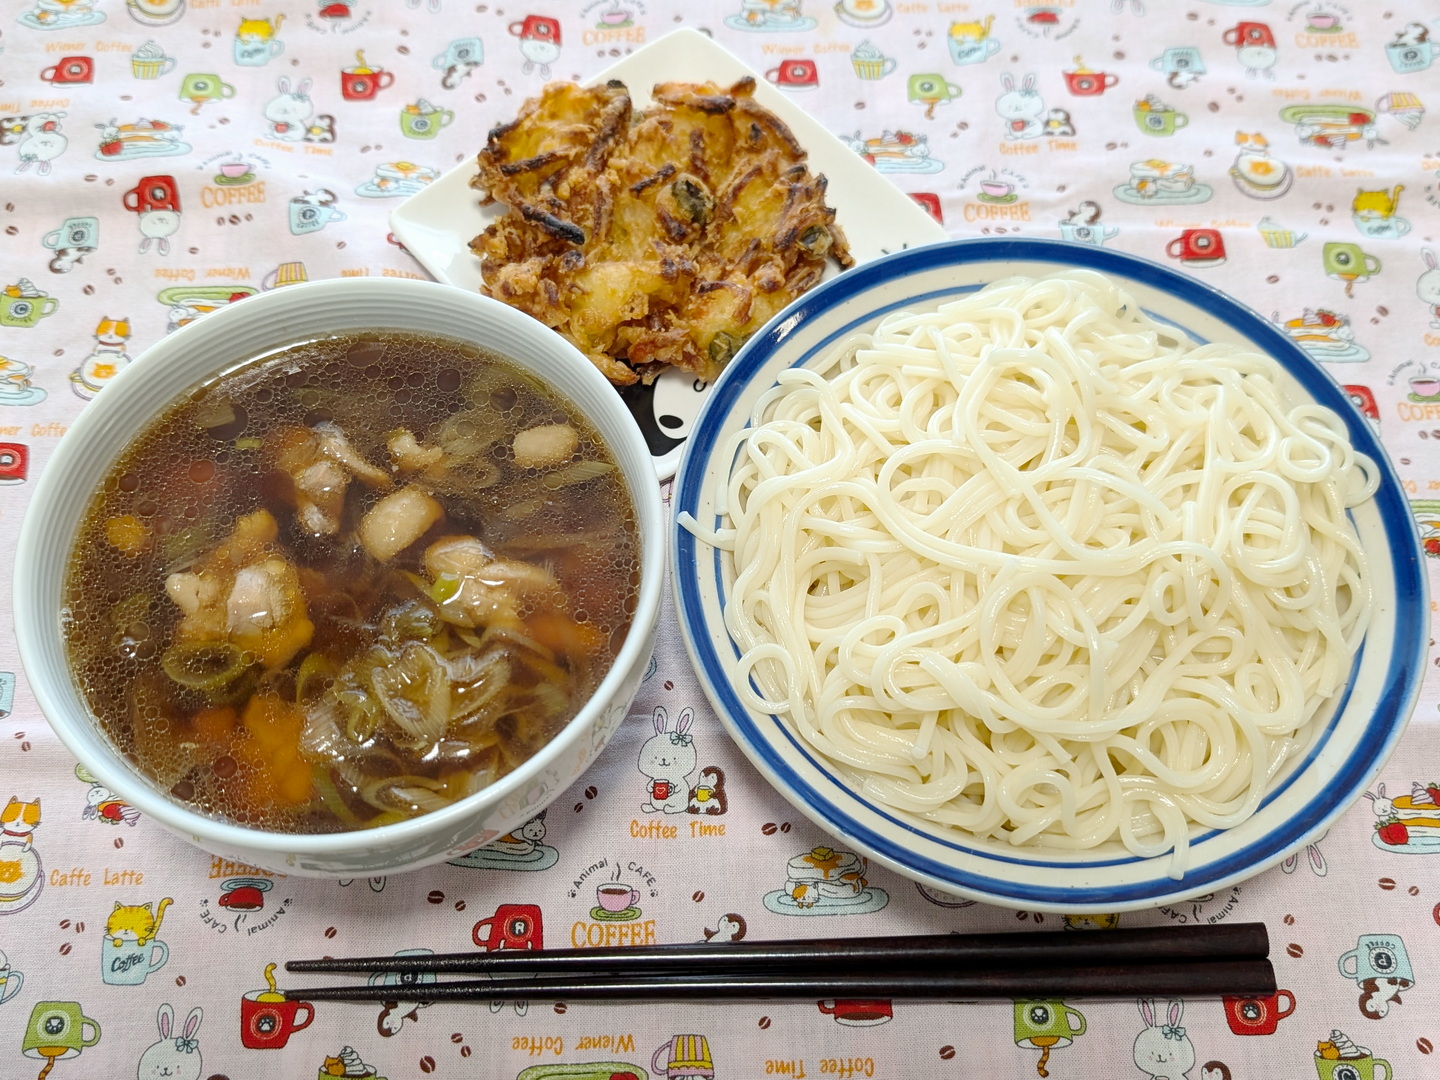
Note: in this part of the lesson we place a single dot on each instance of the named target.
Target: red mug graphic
(1363, 398)
(153, 193)
(1249, 33)
(268, 1025)
(857, 1013)
(362, 84)
(539, 27)
(70, 69)
(513, 926)
(14, 462)
(931, 202)
(1257, 1015)
(795, 75)
(1089, 83)
(1197, 247)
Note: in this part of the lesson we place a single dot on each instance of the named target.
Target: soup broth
(350, 581)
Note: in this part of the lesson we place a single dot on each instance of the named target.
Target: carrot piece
(127, 534)
(564, 635)
(214, 725)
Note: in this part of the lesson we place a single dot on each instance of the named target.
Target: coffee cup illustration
(1162, 121)
(257, 53)
(1365, 1067)
(1258, 1015)
(683, 1055)
(14, 468)
(423, 120)
(200, 87)
(931, 90)
(361, 83)
(799, 74)
(513, 926)
(469, 50)
(128, 963)
(968, 50)
(311, 212)
(853, 1012)
(10, 980)
(1377, 956)
(1407, 58)
(58, 1030)
(150, 62)
(1089, 83)
(70, 70)
(75, 232)
(1197, 247)
(1045, 1023)
(24, 309)
(1087, 234)
(152, 193)
(1179, 60)
(268, 1018)
(614, 897)
(1348, 262)
(870, 63)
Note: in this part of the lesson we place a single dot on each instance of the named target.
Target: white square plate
(437, 224)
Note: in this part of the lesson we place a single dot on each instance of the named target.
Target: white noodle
(1036, 568)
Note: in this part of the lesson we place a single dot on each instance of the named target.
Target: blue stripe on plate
(1404, 669)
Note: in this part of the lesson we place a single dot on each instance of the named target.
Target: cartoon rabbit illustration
(1163, 1051)
(173, 1056)
(668, 758)
(289, 111)
(1021, 109)
(43, 142)
(1427, 286)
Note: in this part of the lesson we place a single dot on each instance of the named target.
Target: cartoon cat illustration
(255, 31)
(105, 362)
(19, 820)
(971, 31)
(135, 922)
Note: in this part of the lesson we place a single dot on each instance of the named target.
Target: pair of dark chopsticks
(1181, 961)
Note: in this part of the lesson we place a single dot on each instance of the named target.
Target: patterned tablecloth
(162, 158)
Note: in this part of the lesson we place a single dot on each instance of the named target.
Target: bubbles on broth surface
(363, 686)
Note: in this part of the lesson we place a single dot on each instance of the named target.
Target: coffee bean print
(1294, 950)
(1388, 883)
(769, 828)
(1273, 278)
(436, 896)
(456, 1037)
(1413, 890)
(697, 896)
(947, 1052)
(1435, 913)
(79, 927)
(65, 949)
(427, 1064)
(669, 685)
(1289, 920)
(579, 807)
(330, 931)
(560, 1008)
(64, 924)
(12, 230)
(764, 1022)
(784, 826)
(1424, 1045)
(590, 792)
(459, 905)
(465, 1051)
(119, 841)
(180, 980)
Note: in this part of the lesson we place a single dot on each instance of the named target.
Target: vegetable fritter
(655, 238)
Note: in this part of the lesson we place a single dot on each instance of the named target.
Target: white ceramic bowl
(1341, 761)
(197, 353)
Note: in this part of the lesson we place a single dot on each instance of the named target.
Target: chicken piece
(245, 594)
(397, 521)
(407, 455)
(545, 446)
(321, 463)
(485, 589)
(265, 612)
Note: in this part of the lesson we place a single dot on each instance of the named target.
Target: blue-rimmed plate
(1347, 750)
